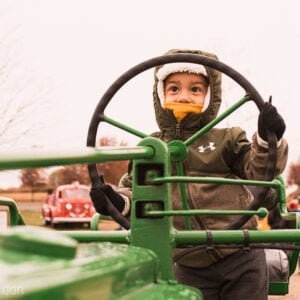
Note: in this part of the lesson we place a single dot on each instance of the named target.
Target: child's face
(185, 88)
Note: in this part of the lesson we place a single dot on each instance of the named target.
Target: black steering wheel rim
(161, 60)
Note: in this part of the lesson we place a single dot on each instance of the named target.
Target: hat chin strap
(180, 110)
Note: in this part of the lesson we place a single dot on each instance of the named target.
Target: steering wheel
(250, 91)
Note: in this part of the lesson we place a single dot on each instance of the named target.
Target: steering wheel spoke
(217, 120)
(124, 127)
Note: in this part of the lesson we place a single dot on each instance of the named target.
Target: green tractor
(134, 263)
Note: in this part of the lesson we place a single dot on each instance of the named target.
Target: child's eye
(172, 89)
(196, 89)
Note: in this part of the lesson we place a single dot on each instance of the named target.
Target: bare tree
(67, 175)
(112, 171)
(293, 180)
(294, 173)
(24, 91)
(33, 178)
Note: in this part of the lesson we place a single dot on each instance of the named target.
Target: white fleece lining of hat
(172, 68)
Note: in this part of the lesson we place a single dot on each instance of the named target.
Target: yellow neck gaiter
(180, 110)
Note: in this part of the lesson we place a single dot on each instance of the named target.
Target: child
(187, 97)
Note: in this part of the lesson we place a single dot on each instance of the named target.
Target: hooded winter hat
(191, 122)
(172, 68)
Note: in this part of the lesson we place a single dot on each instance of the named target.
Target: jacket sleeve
(249, 160)
(125, 184)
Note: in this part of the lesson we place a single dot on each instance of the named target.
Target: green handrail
(261, 212)
(45, 158)
(89, 236)
(295, 254)
(236, 236)
(219, 180)
(180, 238)
(15, 218)
(94, 224)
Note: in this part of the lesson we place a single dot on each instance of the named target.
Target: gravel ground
(29, 206)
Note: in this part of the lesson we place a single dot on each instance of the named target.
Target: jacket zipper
(177, 131)
(179, 126)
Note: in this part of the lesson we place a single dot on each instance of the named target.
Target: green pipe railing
(180, 238)
(235, 236)
(294, 257)
(15, 218)
(274, 183)
(282, 203)
(277, 183)
(96, 218)
(88, 236)
(261, 212)
(39, 158)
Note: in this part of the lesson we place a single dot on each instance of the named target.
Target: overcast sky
(60, 56)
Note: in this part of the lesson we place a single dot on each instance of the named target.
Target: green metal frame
(151, 226)
(15, 217)
(282, 288)
(151, 213)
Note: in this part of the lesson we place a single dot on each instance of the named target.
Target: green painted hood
(37, 263)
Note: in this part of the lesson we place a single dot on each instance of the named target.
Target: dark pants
(238, 276)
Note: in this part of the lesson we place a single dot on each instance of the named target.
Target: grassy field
(31, 213)
(30, 207)
(25, 196)
(32, 217)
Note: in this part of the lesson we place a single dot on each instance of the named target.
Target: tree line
(294, 179)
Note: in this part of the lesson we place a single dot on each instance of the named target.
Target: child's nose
(183, 97)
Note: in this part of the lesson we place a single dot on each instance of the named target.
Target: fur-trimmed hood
(191, 122)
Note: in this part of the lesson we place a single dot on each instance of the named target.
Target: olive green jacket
(221, 152)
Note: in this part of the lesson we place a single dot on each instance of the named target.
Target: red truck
(69, 203)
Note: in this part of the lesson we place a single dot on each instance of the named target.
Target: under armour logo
(211, 146)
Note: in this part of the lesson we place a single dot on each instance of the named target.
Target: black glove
(270, 200)
(98, 196)
(270, 119)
